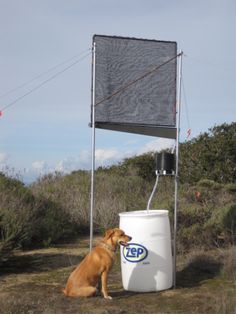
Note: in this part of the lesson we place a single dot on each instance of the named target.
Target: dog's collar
(108, 246)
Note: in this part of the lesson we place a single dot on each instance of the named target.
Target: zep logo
(135, 252)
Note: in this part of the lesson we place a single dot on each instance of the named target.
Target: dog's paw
(108, 297)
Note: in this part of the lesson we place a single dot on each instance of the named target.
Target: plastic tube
(153, 191)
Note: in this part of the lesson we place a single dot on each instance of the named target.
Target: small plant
(229, 268)
(230, 187)
(210, 184)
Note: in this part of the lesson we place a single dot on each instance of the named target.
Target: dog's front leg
(104, 285)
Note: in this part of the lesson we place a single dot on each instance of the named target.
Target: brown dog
(95, 266)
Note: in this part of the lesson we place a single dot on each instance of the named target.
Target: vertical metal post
(177, 163)
(93, 145)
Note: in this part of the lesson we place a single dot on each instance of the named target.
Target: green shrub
(210, 156)
(70, 193)
(29, 220)
(210, 184)
(230, 187)
(115, 194)
(223, 223)
(51, 224)
(16, 215)
(57, 206)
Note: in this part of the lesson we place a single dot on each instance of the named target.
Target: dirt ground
(31, 282)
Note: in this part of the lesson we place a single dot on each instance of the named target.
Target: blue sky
(48, 130)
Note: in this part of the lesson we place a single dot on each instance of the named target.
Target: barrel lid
(145, 213)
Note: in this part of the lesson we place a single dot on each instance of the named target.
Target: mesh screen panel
(145, 107)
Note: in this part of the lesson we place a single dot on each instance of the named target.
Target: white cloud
(39, 166)
(72, 163)
(85, 159)
(3, 158)
(156, 145)
(68, 164)
(103, 157)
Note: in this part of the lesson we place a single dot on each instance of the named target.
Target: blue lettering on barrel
(139, 251)
(135, 252)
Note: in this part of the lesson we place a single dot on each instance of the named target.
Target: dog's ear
(109, 233)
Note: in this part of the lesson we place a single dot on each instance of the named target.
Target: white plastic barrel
(146, 264)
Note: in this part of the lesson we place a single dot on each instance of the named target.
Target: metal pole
(93, 146)
(177, 163)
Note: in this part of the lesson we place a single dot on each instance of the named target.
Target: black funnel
(165, 163)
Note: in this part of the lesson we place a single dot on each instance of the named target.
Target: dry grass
(31, 282)
(229, 267)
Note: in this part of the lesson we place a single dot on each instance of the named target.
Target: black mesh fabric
(146, 106)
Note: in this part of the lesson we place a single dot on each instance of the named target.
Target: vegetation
(28, 220)
(33, 280)
(56, 207)
(16, 212)
(210, 156)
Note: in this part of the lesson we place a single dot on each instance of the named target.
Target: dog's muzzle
(124, 243)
